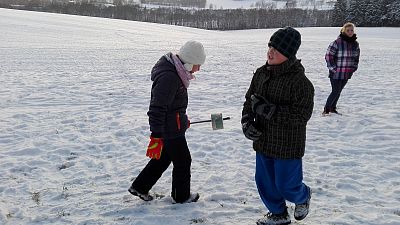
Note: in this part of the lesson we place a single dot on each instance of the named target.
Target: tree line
(360, 12)
(183, 3)
(212, 19)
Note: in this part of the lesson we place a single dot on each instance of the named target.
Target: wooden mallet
(216, 121)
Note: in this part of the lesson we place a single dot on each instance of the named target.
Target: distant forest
(212, 19)
(178, 3)
(375, 13)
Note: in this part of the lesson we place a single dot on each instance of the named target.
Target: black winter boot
(325, 112)
(275, 219)
(193, 197)
(145, 197)
(301, 210)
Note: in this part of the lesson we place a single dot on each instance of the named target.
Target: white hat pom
(192, 52)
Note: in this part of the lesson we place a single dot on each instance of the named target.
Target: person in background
(342, 59)
(168, 123)
(278, 105)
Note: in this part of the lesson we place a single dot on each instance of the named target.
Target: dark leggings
(337, 87)
(175, 151)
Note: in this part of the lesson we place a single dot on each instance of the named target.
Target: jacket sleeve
(331, 57)
(162, 95)
(301, 108)
(357, 57)
(247, 104)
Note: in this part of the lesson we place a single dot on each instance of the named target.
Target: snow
(74, 94)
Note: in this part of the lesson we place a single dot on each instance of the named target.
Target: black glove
(262, 107)
(249, 129)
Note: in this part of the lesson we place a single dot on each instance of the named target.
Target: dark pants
(175, 151)
(337, 87)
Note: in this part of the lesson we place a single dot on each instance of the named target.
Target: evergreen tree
(339, 13)
(373, 12)
(357, 12)
(393, 13)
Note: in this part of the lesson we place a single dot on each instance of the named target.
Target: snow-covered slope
(74, 94)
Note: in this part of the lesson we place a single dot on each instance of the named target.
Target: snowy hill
(74, 93)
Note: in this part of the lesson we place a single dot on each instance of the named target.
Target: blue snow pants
(280, 180)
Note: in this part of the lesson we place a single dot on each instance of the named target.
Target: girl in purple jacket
(342, 58)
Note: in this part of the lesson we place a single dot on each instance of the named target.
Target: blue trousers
(280, 180)
(337, 87)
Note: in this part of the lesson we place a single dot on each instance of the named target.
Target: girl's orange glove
(155, 148)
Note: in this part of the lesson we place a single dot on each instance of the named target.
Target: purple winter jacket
(342, 57)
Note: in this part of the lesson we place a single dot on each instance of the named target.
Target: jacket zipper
(178, 121)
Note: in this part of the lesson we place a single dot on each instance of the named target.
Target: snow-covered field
(74, 94)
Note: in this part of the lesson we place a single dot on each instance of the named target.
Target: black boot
(145, 197)
(325, 112)
(335, 111)
(301, 210)
(275, 219)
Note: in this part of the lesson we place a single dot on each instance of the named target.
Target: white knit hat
(192, 53)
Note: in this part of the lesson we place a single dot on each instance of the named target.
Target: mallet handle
(205, 121)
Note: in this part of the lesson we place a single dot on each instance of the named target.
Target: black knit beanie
(286, 40)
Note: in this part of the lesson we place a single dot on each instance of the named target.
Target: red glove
(188, 123)
(155, 148)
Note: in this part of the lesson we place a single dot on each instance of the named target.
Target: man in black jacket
(168, 123)
(278, 105)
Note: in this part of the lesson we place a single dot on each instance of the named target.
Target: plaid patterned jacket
(342, 58)
(286, 86)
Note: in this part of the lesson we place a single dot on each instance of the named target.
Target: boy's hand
(262, 107)
(249, 129)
